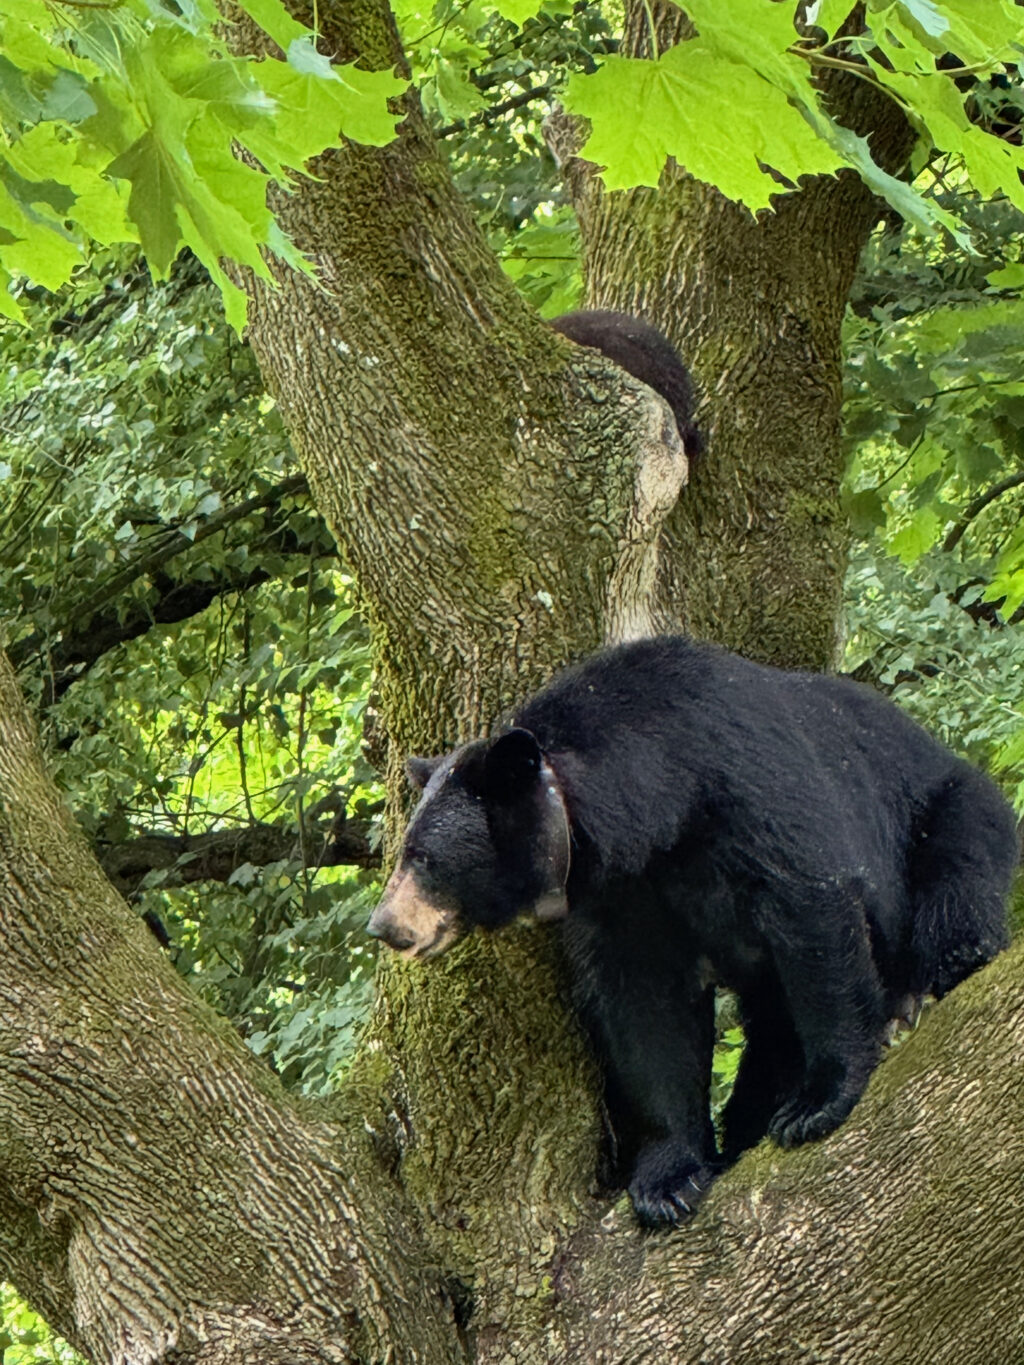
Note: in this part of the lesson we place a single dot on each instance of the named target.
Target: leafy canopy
(122, 123)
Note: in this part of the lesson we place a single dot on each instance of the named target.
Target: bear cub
(645, 353)
(693, 819)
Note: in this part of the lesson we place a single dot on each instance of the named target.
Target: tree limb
(166, 544)
(152, 1171)
(216, 854)
(488, 116)
(956, 533)
(98, 620)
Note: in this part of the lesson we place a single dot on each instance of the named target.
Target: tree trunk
(754, 554)
(161, 1198)
(507, 501)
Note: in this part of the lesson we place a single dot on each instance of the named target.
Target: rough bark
(161, 1198)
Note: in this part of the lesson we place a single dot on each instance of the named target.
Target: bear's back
(671, 688)
(648, 735)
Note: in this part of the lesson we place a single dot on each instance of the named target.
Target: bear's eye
(416, 857)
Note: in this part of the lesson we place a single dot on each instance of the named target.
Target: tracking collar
(553, 903)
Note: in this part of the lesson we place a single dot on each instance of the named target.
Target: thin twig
(978, 505)
(486, 116)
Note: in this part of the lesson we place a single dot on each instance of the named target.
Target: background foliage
(935, 426)
(25, 1338)
(134, 424)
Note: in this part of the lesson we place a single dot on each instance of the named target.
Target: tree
(163, 1197)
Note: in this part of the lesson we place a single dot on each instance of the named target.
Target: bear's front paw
(667, 1185)
(805, 1118)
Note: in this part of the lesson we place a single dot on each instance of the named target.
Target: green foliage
(730, 104)
(486, 77)
(725, 1062)
(935, 421)
(283, 952)
(739, 104)
(25, 1338)
(123, 123)
(134, 420)
(962, 678)
(543, 259)
(124, 409)
(936, 401)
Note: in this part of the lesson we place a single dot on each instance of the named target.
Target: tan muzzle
(409, 922)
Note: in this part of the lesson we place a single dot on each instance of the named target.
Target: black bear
(643, 352)
(696, 819)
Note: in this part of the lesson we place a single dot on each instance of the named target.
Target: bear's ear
(512, 763)
(419, 771)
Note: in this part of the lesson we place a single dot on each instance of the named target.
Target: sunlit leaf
(517, 11)
(917, 536)
(720, 120)
(927, 16)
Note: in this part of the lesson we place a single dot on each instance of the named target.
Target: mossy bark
(161, 1198)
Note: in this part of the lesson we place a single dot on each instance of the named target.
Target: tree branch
(93, 631)
(208, 1219)
(216, 854)
(166, 544)
(488, 116)
(955, 535)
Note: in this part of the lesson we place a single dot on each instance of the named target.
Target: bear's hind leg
(959, 871)
(821, 949)
(770, 1071)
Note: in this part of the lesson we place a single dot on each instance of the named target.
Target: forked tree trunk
(754, 554)
(506, 502)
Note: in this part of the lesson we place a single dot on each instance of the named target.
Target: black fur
(645, 353)
(792, 836)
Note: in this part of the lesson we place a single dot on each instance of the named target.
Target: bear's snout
(409, 921)
(383, 925)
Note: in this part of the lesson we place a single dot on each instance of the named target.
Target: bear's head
(488, 840)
